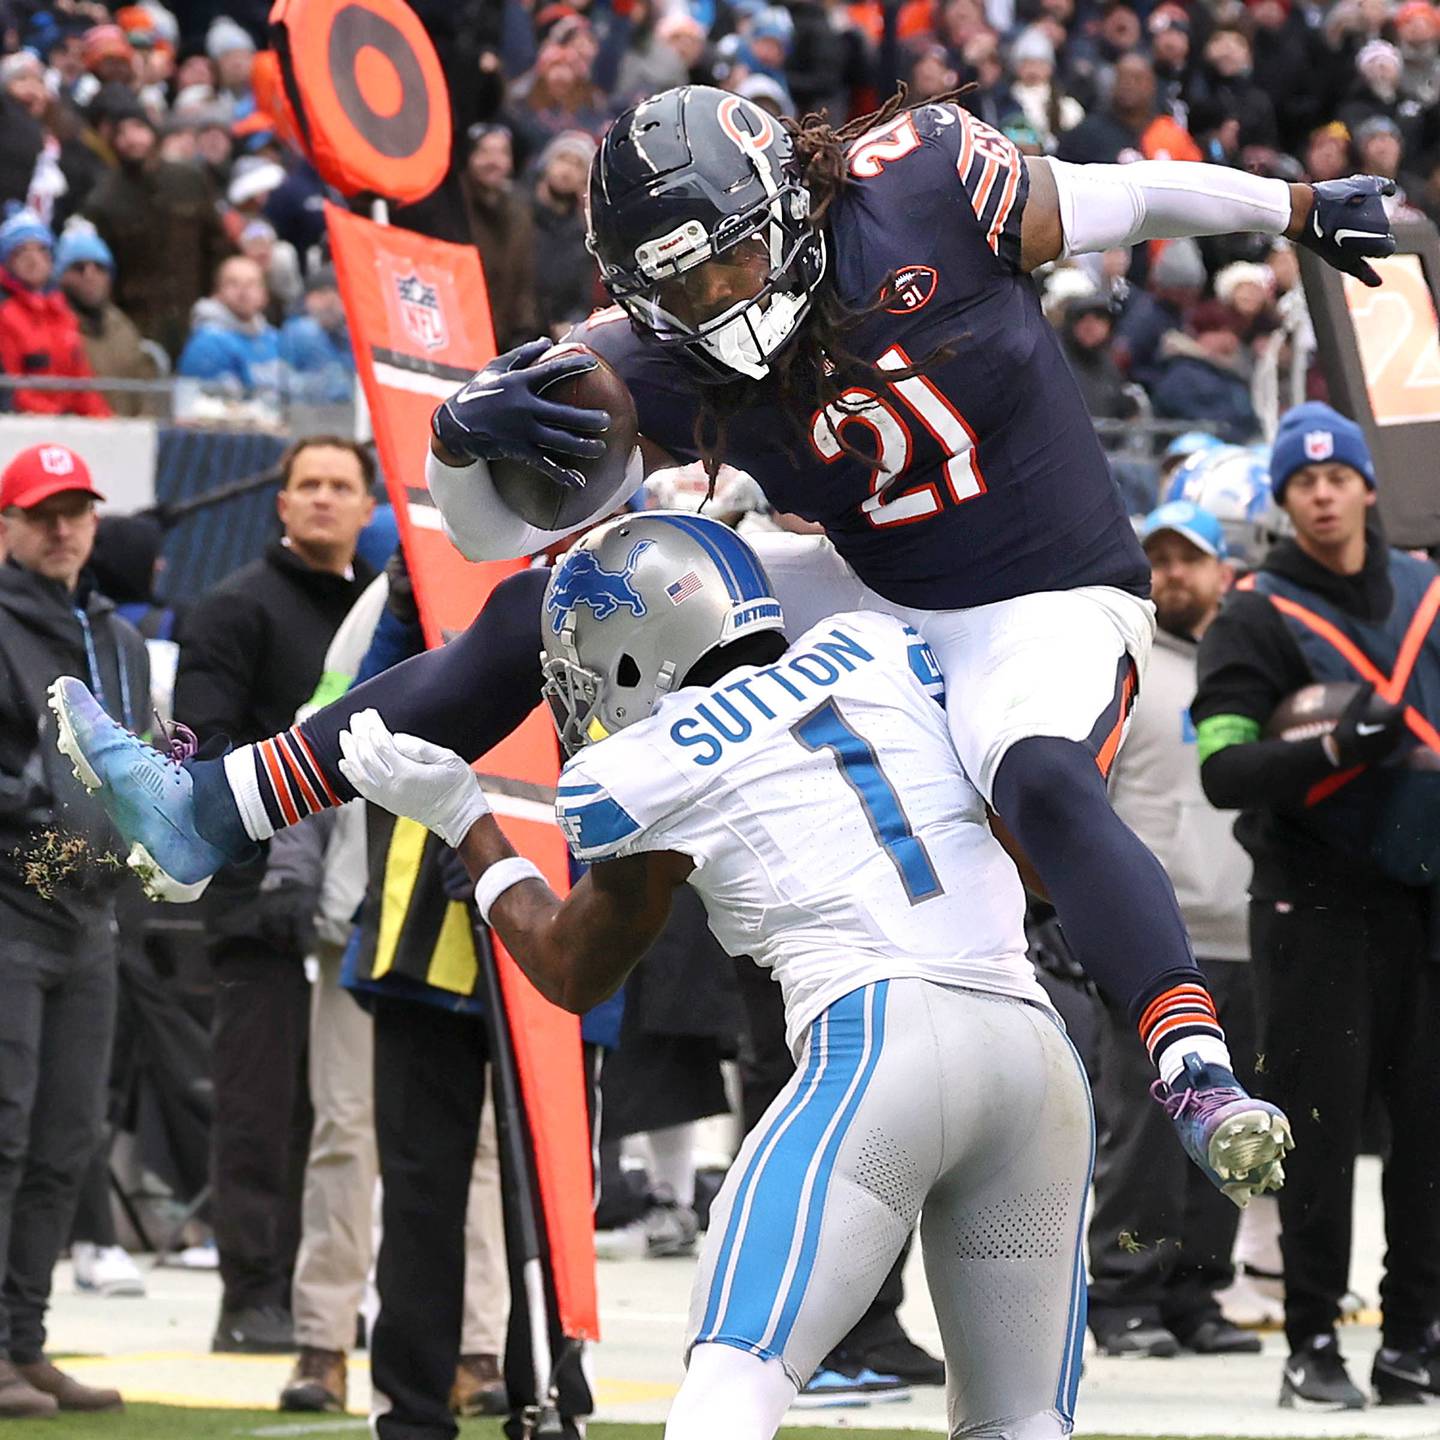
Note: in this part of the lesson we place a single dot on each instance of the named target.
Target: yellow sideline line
(607, 1391)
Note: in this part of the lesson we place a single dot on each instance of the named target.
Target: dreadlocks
(808, 371)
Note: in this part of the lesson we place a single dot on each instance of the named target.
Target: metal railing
(183, 401)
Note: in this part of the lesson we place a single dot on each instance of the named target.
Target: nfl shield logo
(1319, 445)
(420, 311)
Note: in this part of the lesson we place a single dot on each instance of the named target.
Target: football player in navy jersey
(848, 316)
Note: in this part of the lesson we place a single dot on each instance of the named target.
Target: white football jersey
(835, 836)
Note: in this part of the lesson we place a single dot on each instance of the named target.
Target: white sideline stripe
(427, 517)
(393, 377)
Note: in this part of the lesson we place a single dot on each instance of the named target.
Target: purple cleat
(1238, 1141)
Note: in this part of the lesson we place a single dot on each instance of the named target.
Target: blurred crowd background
(163, 256)
(167, 231)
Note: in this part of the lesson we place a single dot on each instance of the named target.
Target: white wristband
(499, 878)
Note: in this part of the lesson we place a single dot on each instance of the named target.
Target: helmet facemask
(587, 705)
(667, 201)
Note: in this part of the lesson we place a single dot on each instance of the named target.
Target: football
(1310, 712)
(549, 505)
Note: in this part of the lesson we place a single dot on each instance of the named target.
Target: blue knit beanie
(80, 244)
(19, 226)
(1312, 434)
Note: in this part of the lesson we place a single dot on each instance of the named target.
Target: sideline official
(1343, 832)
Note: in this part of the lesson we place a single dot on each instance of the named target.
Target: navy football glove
(502, 412)
(1368, 729)
(1348, 226)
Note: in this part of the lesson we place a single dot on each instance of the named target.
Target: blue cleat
(146, 793)
(1238, 1141)
(842, 1384)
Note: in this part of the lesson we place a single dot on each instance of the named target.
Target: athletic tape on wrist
(499, 878)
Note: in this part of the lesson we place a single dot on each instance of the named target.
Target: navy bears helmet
(699, 219)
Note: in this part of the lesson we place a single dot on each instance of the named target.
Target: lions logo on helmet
(582, 581)
(696, 176)
(1232, 482)
(635, 606)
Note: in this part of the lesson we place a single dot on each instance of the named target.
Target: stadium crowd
(157, 227)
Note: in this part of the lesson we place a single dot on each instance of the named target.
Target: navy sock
(468, 695)
(1113, 897)
(217, 816)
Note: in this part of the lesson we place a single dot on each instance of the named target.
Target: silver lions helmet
(634, 607)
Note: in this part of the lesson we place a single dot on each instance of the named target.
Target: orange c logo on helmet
(368, 94)
(733, 106)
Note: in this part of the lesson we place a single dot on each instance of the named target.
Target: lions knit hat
(78, 243)
(21, 226)
(1316, 434)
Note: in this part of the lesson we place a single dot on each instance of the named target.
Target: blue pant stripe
(875, 997)
(815, 1061)
(760, 1263)
(1068, 1386)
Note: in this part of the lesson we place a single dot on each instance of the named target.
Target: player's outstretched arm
(1074, 209)
(576, 951)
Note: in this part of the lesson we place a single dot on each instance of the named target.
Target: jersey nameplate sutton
(993, 483)
(835, 836)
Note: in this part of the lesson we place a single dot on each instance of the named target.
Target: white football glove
(409, 776)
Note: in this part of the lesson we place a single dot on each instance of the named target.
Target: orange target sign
(368, 94)
(1398, 337)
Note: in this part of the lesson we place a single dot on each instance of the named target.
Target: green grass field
(166, 1422)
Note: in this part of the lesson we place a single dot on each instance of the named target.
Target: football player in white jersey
(932, 1072)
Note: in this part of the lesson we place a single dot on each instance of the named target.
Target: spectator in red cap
(109, 56)
(57, 955)
(38, 331)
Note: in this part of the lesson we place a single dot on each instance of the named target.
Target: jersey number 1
(825, 728)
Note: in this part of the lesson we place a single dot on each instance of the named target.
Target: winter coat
(1190, 385)
(234, 355)
(112, 346)
(43, 633)
(39, 336)
(565, 283)
(1155, 788)
(503, 231)
(162, 226)
(251, 652)
(317, 365)
(21, 139)
(1214, 98)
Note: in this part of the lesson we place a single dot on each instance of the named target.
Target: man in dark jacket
(502, 230)
(1086, 335)
(161, 224)
(1342, 829)
(57, 912)
(251, 651)
(565, 283)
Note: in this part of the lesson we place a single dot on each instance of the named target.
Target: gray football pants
(911, 1096)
